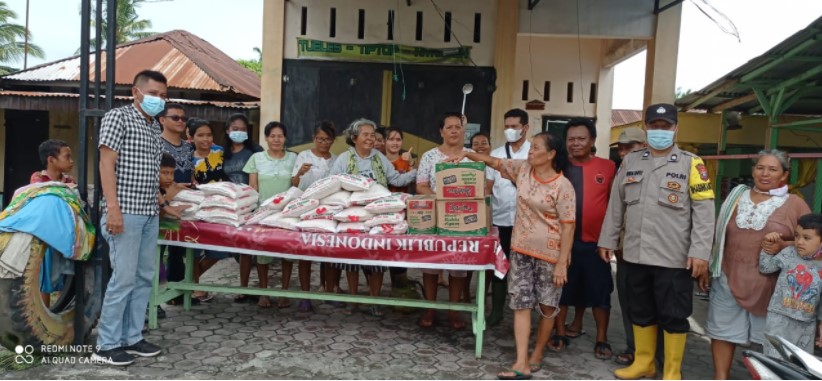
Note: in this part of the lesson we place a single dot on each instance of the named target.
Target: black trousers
(505, 233)
(659, 296)
(176, 269)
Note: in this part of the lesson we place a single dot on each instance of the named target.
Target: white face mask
(512, 135)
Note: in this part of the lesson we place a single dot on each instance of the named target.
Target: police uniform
(665, 207)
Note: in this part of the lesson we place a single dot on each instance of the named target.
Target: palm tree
(129, 26)
(12, 46)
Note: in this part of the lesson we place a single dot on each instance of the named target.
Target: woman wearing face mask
(237, 131)
(241, 147)
(739, 292)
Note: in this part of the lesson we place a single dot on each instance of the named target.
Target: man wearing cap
(663, 201)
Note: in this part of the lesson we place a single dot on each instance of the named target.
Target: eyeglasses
(177, 118)
(324, 140)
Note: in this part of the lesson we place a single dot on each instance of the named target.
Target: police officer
(663, 200)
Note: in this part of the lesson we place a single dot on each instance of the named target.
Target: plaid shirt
(138, 146)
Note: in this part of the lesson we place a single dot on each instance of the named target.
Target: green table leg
(479, 316)
(189, 278)
(155, 291)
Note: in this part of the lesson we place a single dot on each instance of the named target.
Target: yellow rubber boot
(643, 365)
(674, 349)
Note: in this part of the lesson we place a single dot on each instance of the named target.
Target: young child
(56, 158)
(168, 188)
(794, 309)
(55, 155)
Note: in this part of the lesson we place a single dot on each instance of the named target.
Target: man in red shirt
(589, 278)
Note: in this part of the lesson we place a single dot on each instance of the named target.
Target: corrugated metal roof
(623, 117)
(187, 61)
(42, 94)
(794, 64)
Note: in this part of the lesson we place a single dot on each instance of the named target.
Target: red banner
(414, 251)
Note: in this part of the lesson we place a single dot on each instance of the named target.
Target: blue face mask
(238, 136)
(152, 105)
(660, 139)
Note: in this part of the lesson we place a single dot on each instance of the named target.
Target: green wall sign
(308, 48)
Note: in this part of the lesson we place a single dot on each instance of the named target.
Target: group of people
(561, 212)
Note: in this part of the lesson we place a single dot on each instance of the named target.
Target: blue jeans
(126, 300)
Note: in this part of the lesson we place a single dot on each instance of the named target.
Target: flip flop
(243, 298)
(535, 367)
(376, 311)
(264, 302)
(283, 303)
(572, 333)
(603, 351)
(517, 375)
(558, 343)
(624, 358)
(427, 319)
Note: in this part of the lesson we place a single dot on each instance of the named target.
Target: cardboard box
(421, 214)
(463, 217)
(460, 181)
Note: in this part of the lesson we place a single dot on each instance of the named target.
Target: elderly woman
(364, 160)
(540, 245)
(452, 130)
(739, 292)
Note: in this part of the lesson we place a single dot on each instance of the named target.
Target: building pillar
(271, 82)
(663, 51)
(605, 97)
(506, 27)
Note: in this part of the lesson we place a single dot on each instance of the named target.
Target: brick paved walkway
(221, 339)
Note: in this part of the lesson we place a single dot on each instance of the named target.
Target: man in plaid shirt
(130, 151)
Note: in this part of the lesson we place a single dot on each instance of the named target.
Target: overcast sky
(235, 27)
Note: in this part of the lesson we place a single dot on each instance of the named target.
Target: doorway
(25, 130)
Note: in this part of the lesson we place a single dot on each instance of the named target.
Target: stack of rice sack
(338, 204)
(227, 203)
(190, 198)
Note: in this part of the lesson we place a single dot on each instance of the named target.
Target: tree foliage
(12, 40)
(129, 25)
(254, 65)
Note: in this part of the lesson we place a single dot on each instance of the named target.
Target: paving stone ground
(225, 340)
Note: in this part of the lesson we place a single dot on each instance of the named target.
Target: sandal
(558, 343)
(535, 367)
(350, 310)
(603, 351)
(203, 297)
(305, 306)
(243, 298)
(456, 323)
(427, 319)
(376, 311)
(283, 303)
(573, 333)
(517, 375)
(625, 358)
(178, 301)
(264, 302)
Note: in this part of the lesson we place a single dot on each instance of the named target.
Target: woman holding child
(739, 292)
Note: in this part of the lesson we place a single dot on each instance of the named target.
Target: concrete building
(42, 102)
(404, 63)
